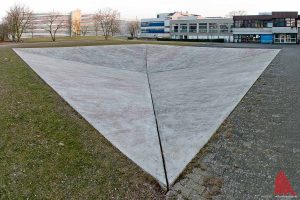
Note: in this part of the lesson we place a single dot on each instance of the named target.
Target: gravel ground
(259, 138)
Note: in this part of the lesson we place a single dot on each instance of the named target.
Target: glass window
(224, 28)
(183, 28)
(268, 24)
(279, 23)
(213, 27)
(290, 22)
(250, 38)
(285, 38)
(175, 28)
(238, 24)
(144, 24)
(202, 27)
(193, 28)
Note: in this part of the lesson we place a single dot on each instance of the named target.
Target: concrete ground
(194, 90)
(259, 138)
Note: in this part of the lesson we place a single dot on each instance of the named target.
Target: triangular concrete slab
(194, 90)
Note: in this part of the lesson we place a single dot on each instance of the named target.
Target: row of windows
(284, 22)
(147, 24)
(152, 30)
(287, 22)
(256, 38)
(202, 27)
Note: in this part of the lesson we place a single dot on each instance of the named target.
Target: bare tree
(133, 28)
(4, 30)
(84, 29)
(115, 27)
(31, 27)
(55, 22)
(96, 23)
(109, 21)
(11, 27)
(18, 18)
(236, 13)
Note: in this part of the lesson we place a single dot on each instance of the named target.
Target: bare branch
(109, 21)
(84, 29)
(96, 23)
(236, 13)
(4, 30)
(133, 28)
(55, 21)
(18, 17)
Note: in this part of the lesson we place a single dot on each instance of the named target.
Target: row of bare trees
(19, 19)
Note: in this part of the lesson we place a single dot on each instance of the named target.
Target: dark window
(152, 30)
(224, 28)
(213, 27)
(183, 28)
(238, 24)
(249, 38)
(202, 27)
(252, 23)
(175, 28)
(280, 22)
(193, 28)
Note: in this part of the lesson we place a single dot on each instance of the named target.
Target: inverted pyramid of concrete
(194, 90)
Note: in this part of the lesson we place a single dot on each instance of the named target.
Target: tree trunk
(52, 36)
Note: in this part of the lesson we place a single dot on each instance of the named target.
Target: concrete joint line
(156, 122)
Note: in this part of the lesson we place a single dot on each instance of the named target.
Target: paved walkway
(258, 139)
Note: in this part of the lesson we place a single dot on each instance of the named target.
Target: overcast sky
(148, 8)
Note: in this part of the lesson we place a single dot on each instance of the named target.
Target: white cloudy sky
(149, 8)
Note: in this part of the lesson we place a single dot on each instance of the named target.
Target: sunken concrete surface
(194, 90)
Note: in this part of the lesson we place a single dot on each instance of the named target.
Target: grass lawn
(48, 151)
(60, 39)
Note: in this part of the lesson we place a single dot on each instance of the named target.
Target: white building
(159, 27)
(202, 28)
(39, 24)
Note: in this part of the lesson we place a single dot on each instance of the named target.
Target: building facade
(202, 28)
(74, 23)
(39, 25)
(159, 27)
(275, 27)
